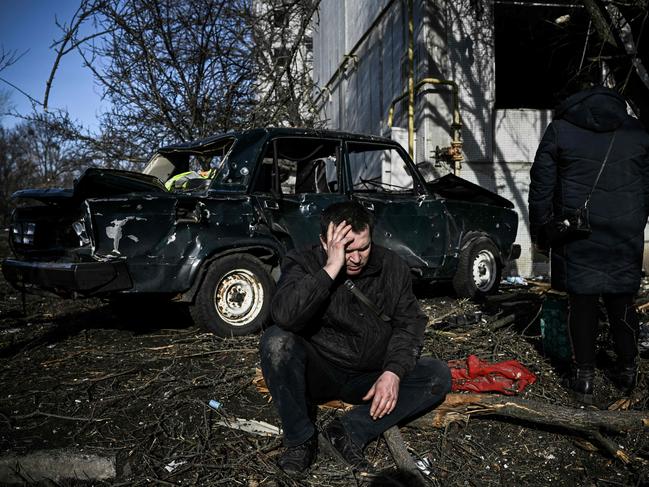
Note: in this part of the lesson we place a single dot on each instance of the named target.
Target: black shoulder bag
(575, 224)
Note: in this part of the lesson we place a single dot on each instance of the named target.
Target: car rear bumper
(68, 279)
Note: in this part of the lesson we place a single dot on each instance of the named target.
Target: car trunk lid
(96, 183)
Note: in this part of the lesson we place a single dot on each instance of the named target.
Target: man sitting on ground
(330, 343)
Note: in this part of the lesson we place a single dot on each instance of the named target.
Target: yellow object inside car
(181, 181)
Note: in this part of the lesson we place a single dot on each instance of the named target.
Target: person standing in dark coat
(608, 262)
(327, 343)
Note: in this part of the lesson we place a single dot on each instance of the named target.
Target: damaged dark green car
(207, 223)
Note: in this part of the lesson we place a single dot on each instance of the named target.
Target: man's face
(357, 252)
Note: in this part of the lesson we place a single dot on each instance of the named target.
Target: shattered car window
(378, 169)
(193, 169)
(303, 166)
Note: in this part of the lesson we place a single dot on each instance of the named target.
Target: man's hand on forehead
(338, 237)
(339, 230)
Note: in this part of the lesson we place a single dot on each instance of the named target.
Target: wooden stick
(400, 454)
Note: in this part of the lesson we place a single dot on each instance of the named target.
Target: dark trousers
(583, 323)
(298, 377)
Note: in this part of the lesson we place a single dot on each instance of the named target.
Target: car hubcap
(484, 270)
(239, 297)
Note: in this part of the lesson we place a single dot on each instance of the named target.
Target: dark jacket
(565, 168)
(344, 330)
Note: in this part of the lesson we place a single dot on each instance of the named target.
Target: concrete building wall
(471, 64)
(369, 76)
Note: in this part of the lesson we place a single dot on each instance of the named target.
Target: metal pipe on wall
(456, 125)
(352, 53)
(455, 151)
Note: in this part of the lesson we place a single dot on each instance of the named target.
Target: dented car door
(409, 220)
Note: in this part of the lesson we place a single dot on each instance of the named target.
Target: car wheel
(478, 270)
(234, 298)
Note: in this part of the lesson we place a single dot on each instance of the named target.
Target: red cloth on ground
(477, 375)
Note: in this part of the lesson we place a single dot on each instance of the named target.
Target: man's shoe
(344, 447)
(581, 384)
(296, 459)
(626, 378)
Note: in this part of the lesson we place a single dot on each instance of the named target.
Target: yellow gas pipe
(455, 150)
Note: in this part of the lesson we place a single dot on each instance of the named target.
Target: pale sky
(29, 25)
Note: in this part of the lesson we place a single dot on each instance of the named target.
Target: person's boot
(581, 384)
(296, 459)
(626, 378)
(344, 448)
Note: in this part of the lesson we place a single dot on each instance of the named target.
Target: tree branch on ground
(589, 423)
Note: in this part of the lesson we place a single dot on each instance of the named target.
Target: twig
(103, 377)
(56, 416)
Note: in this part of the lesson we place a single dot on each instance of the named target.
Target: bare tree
(621, 43)
(52, 158)
(37, 153)
(5, 103)
(9, 172)
(7, 58)
(175, 71)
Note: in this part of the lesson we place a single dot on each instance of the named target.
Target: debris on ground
(78, 378)
(508, 377)
(253, 426)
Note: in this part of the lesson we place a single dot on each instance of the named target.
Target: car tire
(234, 298)
(478, 270)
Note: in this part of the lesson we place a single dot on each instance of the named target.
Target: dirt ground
(135, 385)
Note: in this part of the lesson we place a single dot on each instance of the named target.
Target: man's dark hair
(350, 211)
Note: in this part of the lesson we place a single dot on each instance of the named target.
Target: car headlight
(23, 233)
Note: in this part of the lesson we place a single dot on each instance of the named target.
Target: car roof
(277, 132)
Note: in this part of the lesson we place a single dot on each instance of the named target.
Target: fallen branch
(501, 323)
(587, 422)
(86, 380)
(401, 456)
